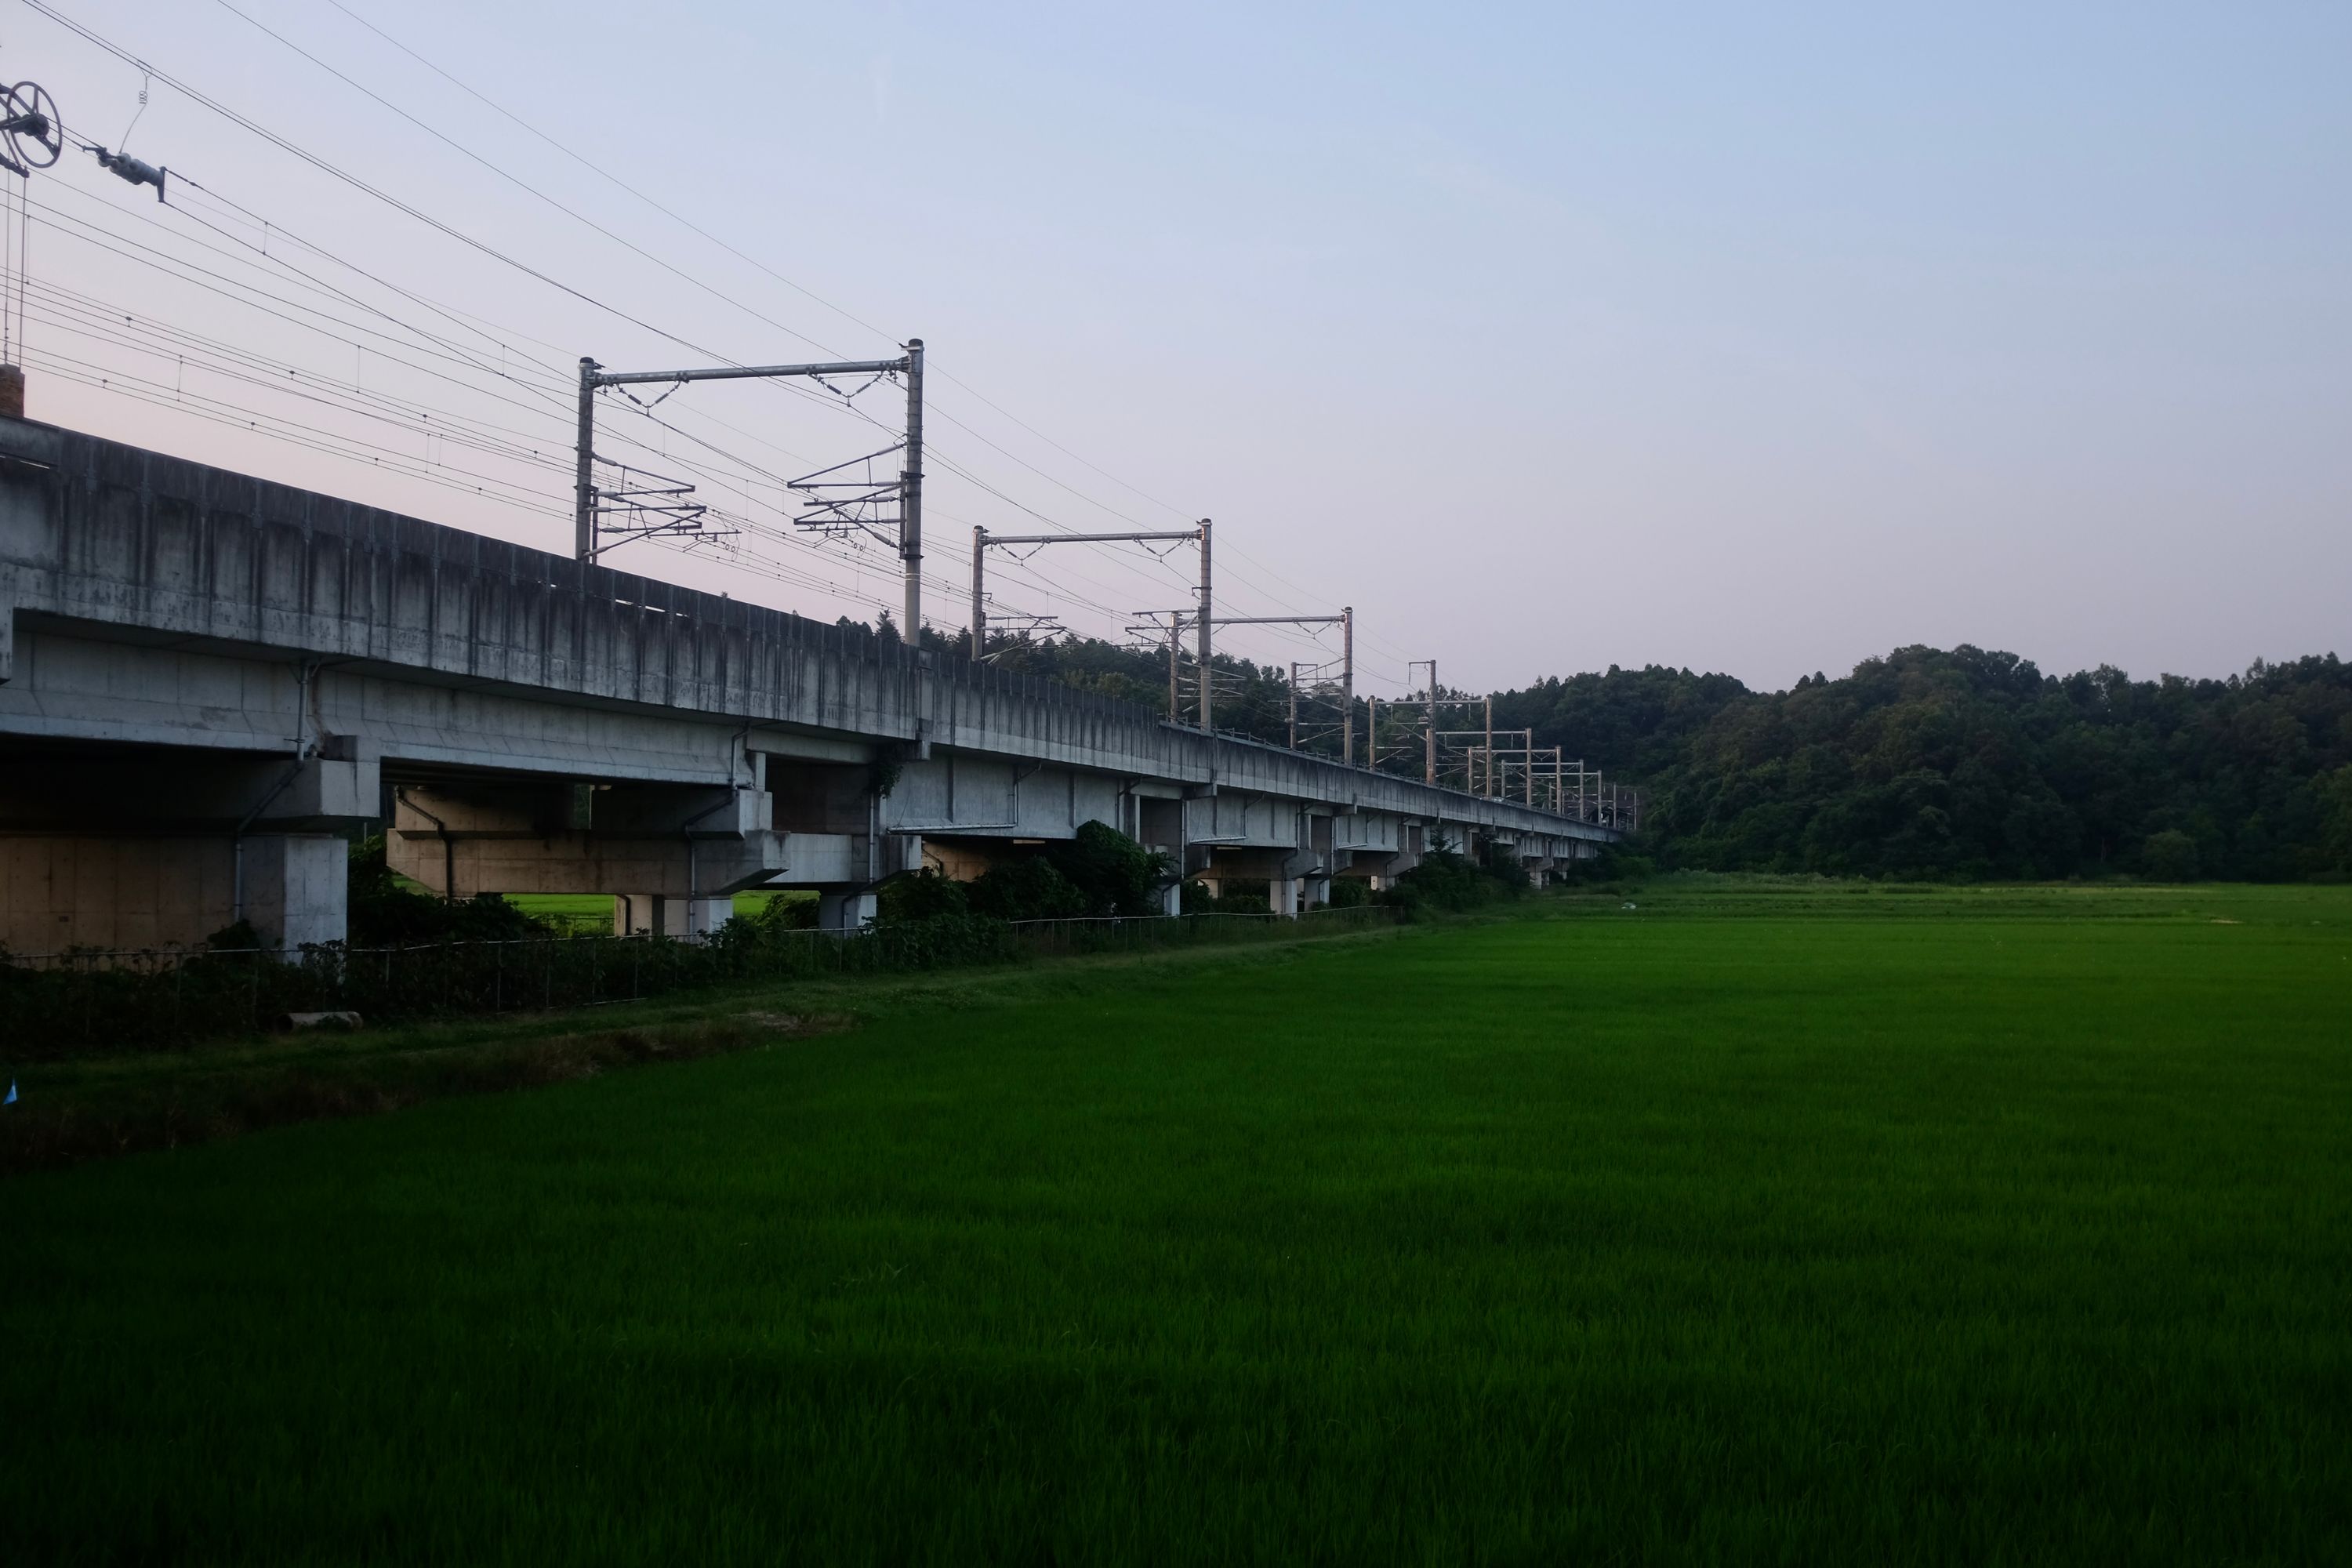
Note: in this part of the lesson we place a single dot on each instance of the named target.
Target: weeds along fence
(81, 1003)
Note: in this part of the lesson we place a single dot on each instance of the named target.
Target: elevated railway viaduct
(209, 682)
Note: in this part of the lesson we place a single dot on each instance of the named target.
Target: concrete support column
(694, 918)
(297, 887)
(1318, 890)
(844, 911)
(655, 914)
(1282, 895)
(1171, 899)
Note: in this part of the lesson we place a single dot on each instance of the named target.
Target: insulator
(136, 171)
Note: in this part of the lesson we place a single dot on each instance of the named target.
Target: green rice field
(1758, 1223)
(592, 912)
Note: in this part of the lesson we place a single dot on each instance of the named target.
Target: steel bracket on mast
(836, 514)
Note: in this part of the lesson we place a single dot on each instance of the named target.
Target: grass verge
(97, 1106)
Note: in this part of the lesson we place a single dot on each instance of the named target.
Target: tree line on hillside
(1930, 763)
(1969, 764)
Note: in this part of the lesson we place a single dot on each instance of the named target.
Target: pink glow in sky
(1740, 338)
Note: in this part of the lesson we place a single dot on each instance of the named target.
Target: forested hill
(1970, 763)
(1922, 763)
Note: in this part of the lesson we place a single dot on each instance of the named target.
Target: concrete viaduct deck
(208, 682)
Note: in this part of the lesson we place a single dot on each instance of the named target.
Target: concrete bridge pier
(845, 912)
(1159, 827)
(297, 887)
(651, 914)
(1282, 895)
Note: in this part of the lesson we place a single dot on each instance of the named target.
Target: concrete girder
(46, 788)
(1375, 831)
(974, 795)
(150, 604)
(87, 689)
(1242, 863)
(786, 746)
(582, 863)
(1235, 817)
(500, 837)
(125, 544)
(967, 859)
(822, 798)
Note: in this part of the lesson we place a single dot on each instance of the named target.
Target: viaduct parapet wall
(274, 664)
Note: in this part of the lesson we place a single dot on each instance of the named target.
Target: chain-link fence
(80, 1003)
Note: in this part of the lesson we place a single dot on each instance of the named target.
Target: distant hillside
(1923, 764)
(1970, 764)
(1251, 700)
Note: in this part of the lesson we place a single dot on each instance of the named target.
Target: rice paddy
(1755, 1222)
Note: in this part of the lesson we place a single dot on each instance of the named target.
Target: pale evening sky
(1744, 338)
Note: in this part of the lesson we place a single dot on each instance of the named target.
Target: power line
(124, 333)
(314, 438)
(106, 378)
(445, 347)
(556, 406)
(722, 244)
(607, 174)
(357, 183)
(522, 184)
(114, 322)
(493, 252)
(667, 266)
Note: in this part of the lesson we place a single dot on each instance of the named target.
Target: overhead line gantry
(983, 540)
(1344, 620)
(859, 510)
